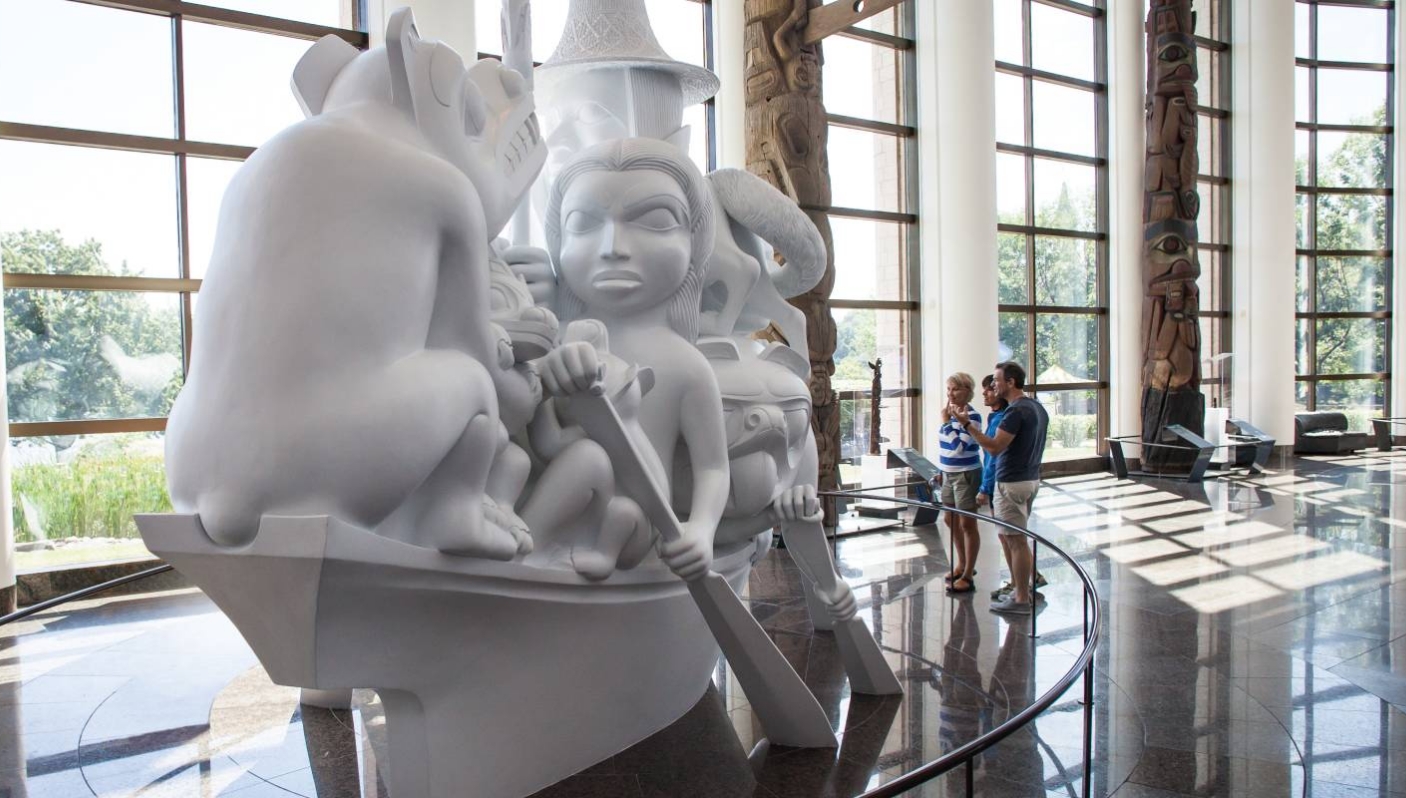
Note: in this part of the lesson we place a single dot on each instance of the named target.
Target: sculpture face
(626, 242)
(480, 119)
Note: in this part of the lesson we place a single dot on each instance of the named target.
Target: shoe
(1009, 606)
(955, 575)
(955, 588)
(1000, 592)
(1040, 580)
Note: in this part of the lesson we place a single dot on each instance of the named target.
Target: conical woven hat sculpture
(616, 33)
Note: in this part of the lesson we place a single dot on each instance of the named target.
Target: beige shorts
(959, 488)
(1012, 503)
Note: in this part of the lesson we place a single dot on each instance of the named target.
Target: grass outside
(80, 554)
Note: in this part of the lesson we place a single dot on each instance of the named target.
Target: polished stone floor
(1252, 647)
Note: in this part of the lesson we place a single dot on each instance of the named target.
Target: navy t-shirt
(1027, 420)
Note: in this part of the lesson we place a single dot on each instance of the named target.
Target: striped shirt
(958, 450)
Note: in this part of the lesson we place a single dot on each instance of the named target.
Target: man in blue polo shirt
(1020, 441)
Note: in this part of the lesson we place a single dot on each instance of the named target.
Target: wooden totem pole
(1171, 337)
(786, 138)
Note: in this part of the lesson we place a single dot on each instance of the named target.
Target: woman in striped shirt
(959, 461)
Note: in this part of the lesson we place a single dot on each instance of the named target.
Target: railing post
(970, 790)
(1034, 570)
(1088, 727)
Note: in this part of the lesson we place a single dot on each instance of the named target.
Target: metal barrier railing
(86, 592)
(1083, 665)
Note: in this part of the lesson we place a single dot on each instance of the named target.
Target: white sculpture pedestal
(498, 678)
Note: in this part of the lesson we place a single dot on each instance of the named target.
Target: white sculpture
(344, 361)
(630, 226)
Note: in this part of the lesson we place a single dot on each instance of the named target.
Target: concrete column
(449, 21)
(729, 64)
(1127, 86)
(1262, 237)
(956, 88)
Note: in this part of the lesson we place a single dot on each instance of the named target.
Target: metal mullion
(1048, 77)
(32, 429)
(1211, 44)
(182, 189)
(710, 111)
(1052, 310)
(1057, 232)
(1344, 190)
(874, 37)
(230, 18)
(1215, 180)
(1390, 198)
(1345, 253)
(876, 304)
(1212, 112)
(1101, 134)
(1311, 216)
(47, 134)
(1342, 314)
(1372, 376)
(1210, 246)
(1082, 9)
(1332, 127)
(1359, 66)
(1083, 385)
(1051, 155)
(871, 125)
(97, 282)
(1027, 57)
(864, 213)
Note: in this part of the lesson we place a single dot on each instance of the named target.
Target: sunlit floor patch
(1137, 500)
(1218, 595)
(1265, 551)
(1158, 510)
(1320, 570)
(1182, 523)
(1140, 550)
(1230, 533)
(1180, 569)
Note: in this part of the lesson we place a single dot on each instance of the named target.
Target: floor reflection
(1253, 647)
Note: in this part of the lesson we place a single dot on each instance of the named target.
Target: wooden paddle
(788, 711)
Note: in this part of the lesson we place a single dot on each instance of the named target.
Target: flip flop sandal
(957, 587)
(952, 577)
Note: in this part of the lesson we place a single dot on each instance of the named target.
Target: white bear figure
(344, 359)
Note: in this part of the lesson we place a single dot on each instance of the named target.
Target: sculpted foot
(462, 527)
(503, 517)
(593, 565)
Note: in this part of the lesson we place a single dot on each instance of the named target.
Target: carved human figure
(630, 227)
(344, 360)
(575, 510)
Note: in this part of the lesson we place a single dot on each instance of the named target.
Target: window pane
(1352, 284)
(1351, 222)
(245, 105)
(696, 118)
(678, 25)
(1351, 97)
(86, 67)
(1211, 213)
(1303, 265)
(1010, 109)
(861, 79)
(895, 429)
(1064, 118)
(1303, 220)
(1009, 31)
(1015, 347)
(1353, 160)
(79, 210)
(1302, 39)
(1061, 41)
(1010, 255)
(1303, 108)
(332, 13)
(488, 36)
(869, 259)
(1066, 271)
(1301, 393)
(866, 334)
(1351, 346)
(1352, 34)
(1209, 145)
(206, 181)
(1073, 430)
(1301, 347)
(1211, 295)
(1010, 188)
(1064, 195)
(1359, 399)
(86, 487)
(865, 169)
(91, 354)
(1066, 348)
(1302, 138)
(1209, 79)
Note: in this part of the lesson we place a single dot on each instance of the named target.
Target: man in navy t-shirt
(1020, 441)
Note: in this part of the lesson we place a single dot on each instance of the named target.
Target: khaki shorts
(1012, 503)
(959, 488)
